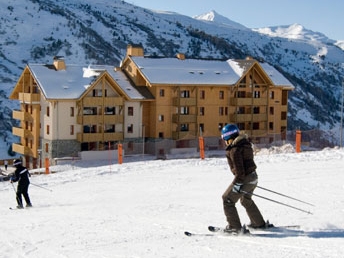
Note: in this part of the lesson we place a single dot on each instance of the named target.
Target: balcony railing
(96, 119)
(184, 102)
(184, 118)
(24, 150)
(183, 135)
(23, 133)
(248, 118)
(248, 101)
(100, 137)
(99, 101)
(29, 97)
(22, 116)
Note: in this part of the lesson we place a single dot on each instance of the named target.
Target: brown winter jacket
(240, 158)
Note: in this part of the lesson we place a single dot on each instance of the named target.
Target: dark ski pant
(22, 189)
(230, 198)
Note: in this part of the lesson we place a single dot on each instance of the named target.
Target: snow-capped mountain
(98, 32)
(214, 17)
(295, 31)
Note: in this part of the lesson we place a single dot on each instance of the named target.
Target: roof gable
(75, 80)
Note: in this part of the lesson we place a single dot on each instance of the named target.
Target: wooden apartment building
(66, 109)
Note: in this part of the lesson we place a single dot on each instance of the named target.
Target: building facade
(67, 109)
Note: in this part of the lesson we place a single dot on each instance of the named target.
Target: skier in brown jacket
(239, 155)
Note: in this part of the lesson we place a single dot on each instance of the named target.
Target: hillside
(97, 32)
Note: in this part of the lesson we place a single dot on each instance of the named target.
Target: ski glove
(237, 187)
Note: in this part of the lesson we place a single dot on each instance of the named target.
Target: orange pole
(201, 146)
(120, 154)
(298, 141)
(47, 166)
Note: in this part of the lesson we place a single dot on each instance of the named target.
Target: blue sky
(326, 16)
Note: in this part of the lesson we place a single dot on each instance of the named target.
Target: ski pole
(290, 206)
(19, 202)
(42, 187)
(284, 195)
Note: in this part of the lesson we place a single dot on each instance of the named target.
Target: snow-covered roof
(276, 77)
(74, 81)
(187, 71)
(201, 72)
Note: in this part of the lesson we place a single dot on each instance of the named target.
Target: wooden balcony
(89, 119)
(113, 119)
(184, 102)
(100, 101)
(113, 101)
(183, 135)
(24, 150)
(248, 101)
(257, 133)
(239, 118)
(29, 97)
(98, 119)
(113, 137)
(23, 133)
(22, 116)
(100, 137)
(184, 118)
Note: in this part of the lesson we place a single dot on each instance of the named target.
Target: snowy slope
(142, 208)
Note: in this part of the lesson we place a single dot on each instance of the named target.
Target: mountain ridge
(84, 32)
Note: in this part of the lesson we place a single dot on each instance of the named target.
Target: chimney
(134, 50)
(59, 63)
(181, 56)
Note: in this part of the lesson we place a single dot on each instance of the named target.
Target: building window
(202, 94)
(241, 126)
(271, 110)
(201, 128)
(226, 111)
(185, 94)
(46, 147)
(256, 110)
(240, 110)
(184, 110)
(184, 127)
(256, 94)
(161, 135)
(255, 126)
(221, 94)
(283, 115)
(72, 111)
(201, 111)
(48, 129)
(272, 94)
(97, 93)
(161, 118)
(221, 112)
(162, 92)
(48, 111)
(220, 126)
(271, 125)
(241, 94)
(130, 128)
(130, 111)
(72, 130)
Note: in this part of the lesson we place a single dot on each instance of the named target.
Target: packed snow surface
(142, 207)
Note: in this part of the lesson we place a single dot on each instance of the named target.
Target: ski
(244, 231)
(189, 234)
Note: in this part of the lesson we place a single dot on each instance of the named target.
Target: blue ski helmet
(229, 131)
